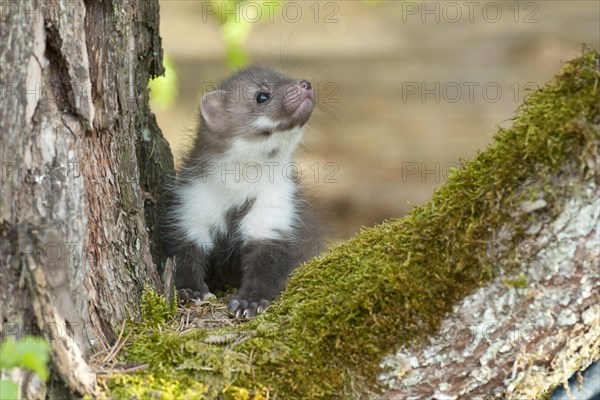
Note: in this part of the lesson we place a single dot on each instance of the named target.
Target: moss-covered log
(489, 289)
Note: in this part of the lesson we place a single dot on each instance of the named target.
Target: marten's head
(257, 102)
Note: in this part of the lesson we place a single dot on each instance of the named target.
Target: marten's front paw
(244, 308)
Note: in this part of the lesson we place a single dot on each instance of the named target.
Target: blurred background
(405, 90)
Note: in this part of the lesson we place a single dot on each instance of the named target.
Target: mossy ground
(391, 284)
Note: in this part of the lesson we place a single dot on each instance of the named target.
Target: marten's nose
(304, 84)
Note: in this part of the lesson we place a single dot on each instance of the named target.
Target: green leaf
(236, 57)
(8, 390)
(164, 89)
(10, 355)
(30, 352)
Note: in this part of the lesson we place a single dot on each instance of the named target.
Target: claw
(187, 295)
(208, 296)
(250, 312)
(233, 306)
(262, 306)
(242, 309)
(184, 295)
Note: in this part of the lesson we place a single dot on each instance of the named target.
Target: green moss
(144, 386)
(180, 363)
(392, 284)
(237, 393)
(155, 309)
(519, 282)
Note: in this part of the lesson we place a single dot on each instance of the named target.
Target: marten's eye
(262, 97)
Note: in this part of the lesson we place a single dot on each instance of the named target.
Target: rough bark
(520, 335)
(82, 160)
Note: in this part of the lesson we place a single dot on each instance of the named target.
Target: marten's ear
(212, 106)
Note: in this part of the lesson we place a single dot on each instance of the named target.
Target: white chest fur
(252, 169)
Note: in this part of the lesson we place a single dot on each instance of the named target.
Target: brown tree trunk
(81, 158)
